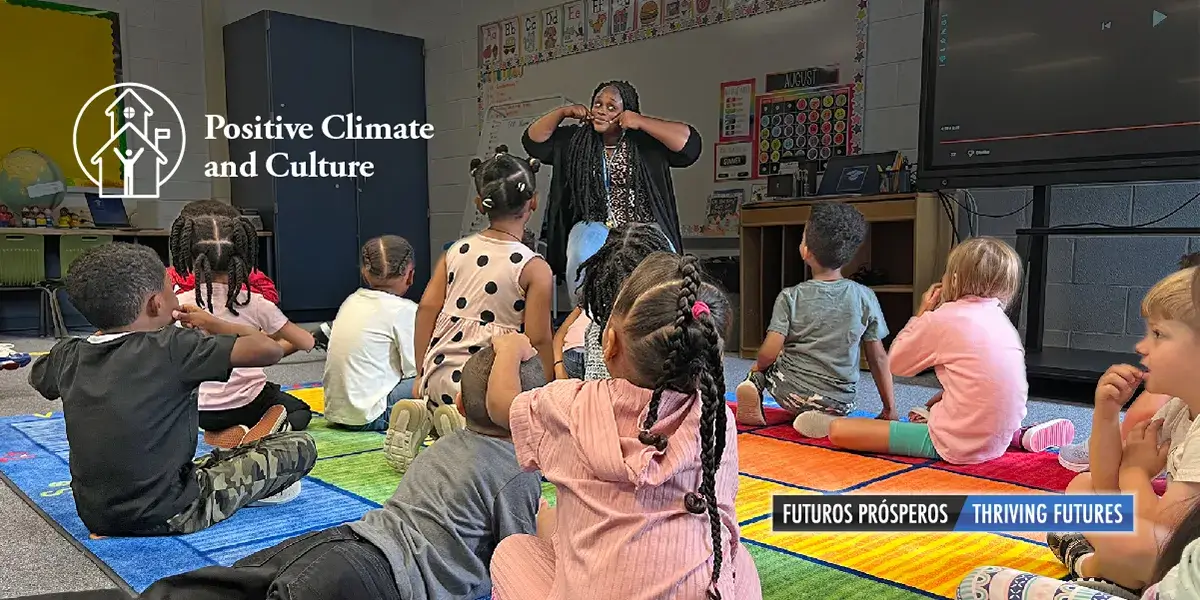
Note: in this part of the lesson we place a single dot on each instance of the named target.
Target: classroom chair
(70, 247)
(23, 269)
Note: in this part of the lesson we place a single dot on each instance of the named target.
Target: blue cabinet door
(316, 222)
(389, 88)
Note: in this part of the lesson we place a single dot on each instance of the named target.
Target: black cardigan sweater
(561, 215)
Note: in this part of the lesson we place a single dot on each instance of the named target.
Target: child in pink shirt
(221, 252)
(963, 333)
(645, 463)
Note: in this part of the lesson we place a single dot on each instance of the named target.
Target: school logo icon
(141, 149)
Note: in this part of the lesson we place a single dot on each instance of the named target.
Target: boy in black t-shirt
(132, 423)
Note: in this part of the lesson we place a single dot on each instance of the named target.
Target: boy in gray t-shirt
(433, 540)
(810, 357)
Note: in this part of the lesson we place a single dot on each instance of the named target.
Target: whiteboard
(678, 75)
(504, 124)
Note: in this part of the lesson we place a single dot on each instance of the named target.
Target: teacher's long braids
(676, 345)
(606, 271)
(207, 246)
(585, 165)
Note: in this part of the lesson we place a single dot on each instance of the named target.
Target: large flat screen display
(1028, 92)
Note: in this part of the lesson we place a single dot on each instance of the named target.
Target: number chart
(803, 125)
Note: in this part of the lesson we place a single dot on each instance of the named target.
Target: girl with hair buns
(371, 363)
(612, 168)
(486, 284)
(645, 463)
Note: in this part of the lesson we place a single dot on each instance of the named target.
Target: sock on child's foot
(813, 424)
(1051, 434)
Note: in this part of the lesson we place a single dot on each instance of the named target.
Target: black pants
(298, 413)
(325, 565)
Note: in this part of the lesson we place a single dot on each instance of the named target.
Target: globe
(23, 168)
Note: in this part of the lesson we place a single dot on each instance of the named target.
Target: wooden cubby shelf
(907, 244)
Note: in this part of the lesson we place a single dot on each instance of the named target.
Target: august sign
(803, 78)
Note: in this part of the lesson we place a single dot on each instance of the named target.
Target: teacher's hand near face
(576, 111)
(629, 120)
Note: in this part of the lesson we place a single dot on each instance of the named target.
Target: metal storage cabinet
(305, 70)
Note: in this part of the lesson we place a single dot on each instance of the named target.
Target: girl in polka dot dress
(485, 285)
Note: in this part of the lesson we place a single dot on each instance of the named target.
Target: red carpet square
(1031, 469)
(775, 416)
(788, 433)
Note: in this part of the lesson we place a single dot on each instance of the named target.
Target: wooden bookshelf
(909, 239)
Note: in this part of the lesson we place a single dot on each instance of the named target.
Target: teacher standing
(612, 168)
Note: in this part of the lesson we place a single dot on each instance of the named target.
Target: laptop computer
(107, 213)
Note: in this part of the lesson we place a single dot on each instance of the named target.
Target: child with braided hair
(186, 282)
(645, 463)
(604, 274)
(371, 364)
(486, 284)
(221, 252)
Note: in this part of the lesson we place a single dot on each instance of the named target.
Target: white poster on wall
(551, 27)
(622, 16)
(531, 34)
(597, 19)
(734, 161)
(573, 24)
(510, 32)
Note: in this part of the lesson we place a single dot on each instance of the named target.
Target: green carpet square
(786, 576)
(367, 475)
(333, 442)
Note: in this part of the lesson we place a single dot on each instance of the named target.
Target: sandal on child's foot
(750, 405)
(272, 421)
(410, 425)
(1068, 548)
(226, 438)
(1051, 434)
(813, 424)
(918, 415)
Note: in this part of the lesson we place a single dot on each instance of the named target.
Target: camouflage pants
(231, 479)
(792, 396)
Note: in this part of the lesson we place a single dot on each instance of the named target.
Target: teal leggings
(910, 439)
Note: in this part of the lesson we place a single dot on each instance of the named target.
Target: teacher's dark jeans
(333, 564)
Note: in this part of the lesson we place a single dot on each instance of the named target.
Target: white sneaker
(813, 424)
(447, 420)
(409, 426)
(288, 494)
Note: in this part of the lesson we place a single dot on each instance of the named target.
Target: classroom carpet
(351, 477)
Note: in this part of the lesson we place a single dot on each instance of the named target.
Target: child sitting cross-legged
(963, 333)
(1171, 440)
(371, 364)
(432, 540)
(221, 252)
(809, 360)
(131, 417)
(645, 462)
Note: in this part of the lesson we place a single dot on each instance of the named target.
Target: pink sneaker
(1051, 434)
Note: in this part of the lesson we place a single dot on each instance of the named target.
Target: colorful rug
(351, 477)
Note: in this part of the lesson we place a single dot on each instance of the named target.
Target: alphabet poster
(573, 22)
(597, 18)
(649, 14)
(551, 27)
(510, 29)
(489, 46)
(531, 34)
(705, 7)
(675, 11)
(622, 16)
